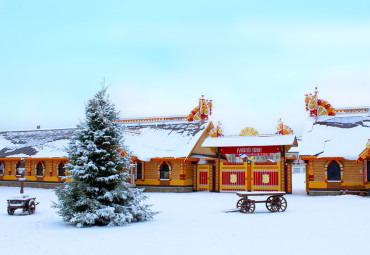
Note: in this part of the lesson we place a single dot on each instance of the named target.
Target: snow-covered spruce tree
(97, 193)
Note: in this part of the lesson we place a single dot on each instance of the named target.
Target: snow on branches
(97, 192)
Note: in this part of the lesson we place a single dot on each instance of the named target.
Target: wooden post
(289, 178)
(217, 174)
(365, 171)
(249, 175)
(22, 182)
(194, 166)
(211, 178)
(307, 177)
(282, 169)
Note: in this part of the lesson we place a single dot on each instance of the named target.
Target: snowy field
(197, 223)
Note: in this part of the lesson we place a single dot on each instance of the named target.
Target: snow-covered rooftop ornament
(318, 107)
(248, 131)
(283, 129)
(202, 111)
(217, 131)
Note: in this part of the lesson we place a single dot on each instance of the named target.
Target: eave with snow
(44, 152)
(250, 141)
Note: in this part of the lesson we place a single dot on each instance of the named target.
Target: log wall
(50, 173)
(353, 176)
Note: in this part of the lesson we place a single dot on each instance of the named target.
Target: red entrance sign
(250, 149)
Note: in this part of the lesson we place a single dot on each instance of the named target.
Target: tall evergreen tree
(97, 193)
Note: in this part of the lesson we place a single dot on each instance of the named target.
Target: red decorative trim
(315, 158)
(182, 171)
(167, 159)
(232, 164)
(266, 163)
(310, 171)
(154, 119)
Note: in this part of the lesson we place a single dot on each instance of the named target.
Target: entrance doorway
(203, 177)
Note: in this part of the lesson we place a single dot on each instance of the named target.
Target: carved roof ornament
(283, 129)
(318, 107)
(202, 111)
(248, 131)
(217, 131)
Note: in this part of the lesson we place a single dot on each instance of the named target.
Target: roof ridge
(33, 130)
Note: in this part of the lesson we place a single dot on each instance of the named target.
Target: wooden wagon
(24, 202)
(274, 203)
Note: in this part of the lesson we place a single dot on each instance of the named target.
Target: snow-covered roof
(145, 141)
(239, 141)
(161, 140)
(335, 137)
(296, 149)
(35, 143)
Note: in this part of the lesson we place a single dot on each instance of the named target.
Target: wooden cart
(274, 203)
(24, 202)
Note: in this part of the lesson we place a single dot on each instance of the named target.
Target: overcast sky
(254, 59)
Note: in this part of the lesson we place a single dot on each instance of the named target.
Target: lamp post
(21, 170)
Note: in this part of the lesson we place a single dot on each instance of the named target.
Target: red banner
(251, 149)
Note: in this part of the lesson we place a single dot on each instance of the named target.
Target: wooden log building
(165, 150)
(333, 147)
(167, 155)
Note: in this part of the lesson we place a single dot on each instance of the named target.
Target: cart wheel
(31, 207)
(282, 204)
(278, 204)
(11, 211)
(247, 206)
(239, 203)
(269, 204)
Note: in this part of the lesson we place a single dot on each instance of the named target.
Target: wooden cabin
(43, 151)
(333, 148)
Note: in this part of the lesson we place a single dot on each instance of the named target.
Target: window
(2, 168)
(368, 171)
(334, 171)
(62, 169)
(40, 169)
(164, 171)
(139, 170)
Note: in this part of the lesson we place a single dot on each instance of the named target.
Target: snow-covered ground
(197, 223)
